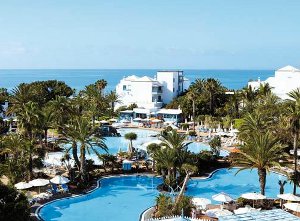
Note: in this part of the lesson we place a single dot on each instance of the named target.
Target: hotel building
(152, 93)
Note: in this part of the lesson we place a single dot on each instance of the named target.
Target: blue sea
(79, 78)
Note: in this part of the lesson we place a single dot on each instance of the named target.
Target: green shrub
(13, 205)
(164, 205)
(215, 145)
(192, 133)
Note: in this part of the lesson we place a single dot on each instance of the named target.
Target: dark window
(124, 87)
(159, 99)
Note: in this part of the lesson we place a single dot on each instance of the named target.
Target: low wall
(147, 214)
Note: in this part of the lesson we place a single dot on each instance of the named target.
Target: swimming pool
(126, 197)
(115, 144)
(119, 198)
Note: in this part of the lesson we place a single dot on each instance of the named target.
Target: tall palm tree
(294, 116)
(249, 96)
(113, 98)
(172, 154)
(80, 131)
(15, 150)
(61, 110)
(261, 151)
(192, 95)
(46, 121)
(101, 84)
(94, 100)
(213, 87)
(264, 89)
(253, 122)
(28, 117)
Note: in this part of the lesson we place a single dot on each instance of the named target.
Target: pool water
(126, 197)
(115, 144)
(119, 198)
(225, 180)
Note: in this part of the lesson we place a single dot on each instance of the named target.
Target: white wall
(166, 78)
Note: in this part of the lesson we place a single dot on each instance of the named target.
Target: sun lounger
(54, 189)
(65, 188)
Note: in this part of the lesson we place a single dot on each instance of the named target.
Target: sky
(122, 34)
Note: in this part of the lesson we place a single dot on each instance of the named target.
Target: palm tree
(253, 122)
(172, 154)
(101, 84)
(130, 136)
(61, 109)
(264, 89)
(192, 96)
(80, 131)
(113, 98)
(212, 87)
(189, 170)
(249, 95)
(261, 151)
(46, 121)
(94, 100)
(294, 116)
(15, 151)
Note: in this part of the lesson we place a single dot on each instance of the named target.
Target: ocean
(79, 78)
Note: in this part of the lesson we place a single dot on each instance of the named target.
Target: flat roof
(126, 111)
(169, 111)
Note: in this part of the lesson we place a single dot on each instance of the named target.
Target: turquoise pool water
(114, 144)
(124, 198)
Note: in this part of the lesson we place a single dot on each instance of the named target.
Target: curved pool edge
(37, 211)
(210, 176)
(37, 215)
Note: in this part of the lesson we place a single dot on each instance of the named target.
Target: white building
(149, 92)
(285, 80)
(173, 83)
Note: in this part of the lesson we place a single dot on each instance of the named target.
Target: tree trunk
(112, 108)
(262, 173)
(93, 121)
(210, 103)
(30, 175)
(75, 154)
(130, 150)
(82, 164)
(194, 115)
(46, 135)
(295, 160)
(30, 163)
(187, 176)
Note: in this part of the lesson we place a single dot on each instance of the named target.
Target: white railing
(166, 218)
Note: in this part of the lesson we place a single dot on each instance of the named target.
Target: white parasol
(201, 202)
(292, 206)
(23, 185)
(39, 183)
(222, 197)
(253, 196)
(288, 197)
(59, 180)
(215, 213)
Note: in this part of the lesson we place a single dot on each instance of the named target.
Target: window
(173, 89)
(124, 87)
(159, 99)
